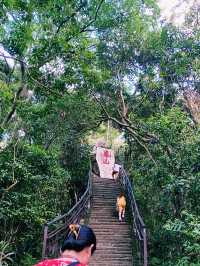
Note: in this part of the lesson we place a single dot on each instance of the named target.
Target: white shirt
(116, 167)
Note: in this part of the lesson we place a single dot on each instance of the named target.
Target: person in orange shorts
(121, 206)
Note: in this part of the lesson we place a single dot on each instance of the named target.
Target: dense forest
(67, 67)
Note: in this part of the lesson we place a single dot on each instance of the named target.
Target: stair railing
(139, 228)
(56, 230)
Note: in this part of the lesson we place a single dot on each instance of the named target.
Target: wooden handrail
(56, 230)
(137, 221)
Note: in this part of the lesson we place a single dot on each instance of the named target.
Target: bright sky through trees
(175, 10)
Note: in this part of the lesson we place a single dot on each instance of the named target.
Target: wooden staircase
(114, 242)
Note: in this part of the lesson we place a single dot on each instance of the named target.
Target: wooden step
(114, 238)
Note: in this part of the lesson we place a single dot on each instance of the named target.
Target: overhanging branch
(140, 140)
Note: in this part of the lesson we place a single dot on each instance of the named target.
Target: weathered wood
(138, 225)
(55, 231)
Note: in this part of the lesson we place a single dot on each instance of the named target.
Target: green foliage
(187, 231)
(27, 260)
(76, 64)
(5, 253)
(75, 156)
(169, 191)
(41, 193)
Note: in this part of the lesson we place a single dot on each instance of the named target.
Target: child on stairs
(121, 206)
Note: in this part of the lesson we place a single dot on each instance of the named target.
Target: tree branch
(147, 136)
(43, 86)
(14, 181)
(95, 17)
(12, 57)
(123, 105)
(83, 29)
(17, 95)
(134, 134)
(69, 17)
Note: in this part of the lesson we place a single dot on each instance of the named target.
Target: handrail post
(90, 184)
(89, 188)
(145, 246)
(45, 241)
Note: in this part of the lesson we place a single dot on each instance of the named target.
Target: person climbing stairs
(114, 241)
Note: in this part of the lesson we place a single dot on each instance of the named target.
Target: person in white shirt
(116, 169)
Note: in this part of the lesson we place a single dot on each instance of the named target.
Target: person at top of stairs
(77, 248)
(121, 206)
(116, 170)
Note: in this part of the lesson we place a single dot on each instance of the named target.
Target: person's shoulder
(49, 262)
(57, 262)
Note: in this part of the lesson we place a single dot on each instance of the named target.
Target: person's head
(81, 241)
(121, 194)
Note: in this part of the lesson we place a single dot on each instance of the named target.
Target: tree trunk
(192, 103)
